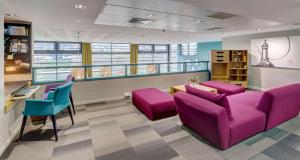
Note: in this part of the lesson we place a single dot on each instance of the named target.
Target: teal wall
(204, 49)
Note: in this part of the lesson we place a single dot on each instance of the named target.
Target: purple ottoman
(154, 103)
(226, 88)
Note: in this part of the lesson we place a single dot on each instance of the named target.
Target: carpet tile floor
(116, 130)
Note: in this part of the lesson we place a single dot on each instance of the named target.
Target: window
(188, 49)
(110, 54)
(173, 52)
(151, 53)
(145, 48)
(44, 46)
(101, 47)
(47, 54)
(69, 46)
(174, 58)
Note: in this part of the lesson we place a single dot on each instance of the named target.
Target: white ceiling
(107, 20)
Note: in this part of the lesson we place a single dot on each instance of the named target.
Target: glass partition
(42, 75)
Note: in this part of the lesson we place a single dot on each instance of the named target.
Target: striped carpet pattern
(116, 130)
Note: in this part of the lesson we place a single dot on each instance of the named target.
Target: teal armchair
(57, 101)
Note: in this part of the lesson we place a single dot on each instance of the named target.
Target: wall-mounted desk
(10, 101)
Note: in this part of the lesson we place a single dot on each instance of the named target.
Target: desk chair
(56, 102)
(53, 86)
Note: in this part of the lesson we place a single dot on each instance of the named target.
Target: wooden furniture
(230, 66)
(175, 89)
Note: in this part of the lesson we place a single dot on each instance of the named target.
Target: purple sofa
(154, 103)
(252, 112)
(224, 88)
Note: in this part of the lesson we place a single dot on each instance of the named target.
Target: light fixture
(151, 69)
(11, 15)
(78, 73)
(106, 72)
(198, 21)
(150, 15)
(258, 29)
(80, 6)
(77, 20)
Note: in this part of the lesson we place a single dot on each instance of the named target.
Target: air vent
(214, 29)
(140, 21)
(221, 15)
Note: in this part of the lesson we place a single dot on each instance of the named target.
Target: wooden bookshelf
(230, 66)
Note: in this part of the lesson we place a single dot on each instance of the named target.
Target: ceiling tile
(111, 18)
(131, 3)
(169, 6)
(151, 15)
(117, 10)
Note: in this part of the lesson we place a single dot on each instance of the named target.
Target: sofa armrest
(204, 117)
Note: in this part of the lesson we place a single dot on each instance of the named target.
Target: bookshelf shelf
(230, 66)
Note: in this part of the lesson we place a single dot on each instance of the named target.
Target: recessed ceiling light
(198, 21)
(10, 15)
(80, 6)
(150, 15)
(77, 20)
(258, 29)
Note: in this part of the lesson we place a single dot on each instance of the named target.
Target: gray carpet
(118, 131)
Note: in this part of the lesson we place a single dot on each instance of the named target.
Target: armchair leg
(72, 103)
(70, 113)
(22, 127)
(45, 120)
(54, 126)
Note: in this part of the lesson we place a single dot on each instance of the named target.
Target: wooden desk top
(28, 94)
(9, 103)
(198, 86)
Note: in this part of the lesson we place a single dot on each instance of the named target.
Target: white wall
(9, 122)
(264, 78)
(95, 91)
(3, 122)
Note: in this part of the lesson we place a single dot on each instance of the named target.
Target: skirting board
(256, 88)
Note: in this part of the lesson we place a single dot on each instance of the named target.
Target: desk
(10, 101)
(175, 89)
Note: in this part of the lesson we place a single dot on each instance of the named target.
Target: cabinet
(230, 66)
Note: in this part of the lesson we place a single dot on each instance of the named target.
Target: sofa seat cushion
(247, 99)
(228, 89)
(247, 121)
(154, 103)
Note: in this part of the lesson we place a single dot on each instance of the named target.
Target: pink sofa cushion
(219, 99)
(228, 89)
(154, 103)
(247, 121)
(248, 98)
